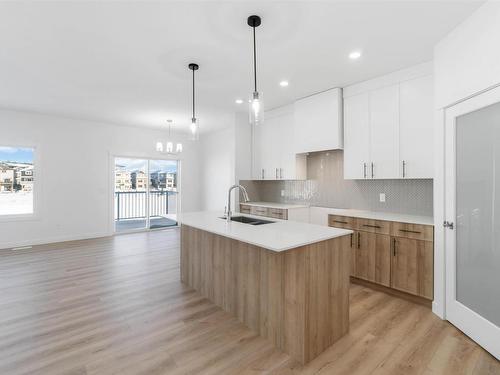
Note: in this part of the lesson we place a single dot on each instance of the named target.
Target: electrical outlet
(382, 197)
(282, 193)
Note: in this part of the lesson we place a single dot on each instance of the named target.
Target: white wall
(466, 62)
(75, 173)
(217, 163)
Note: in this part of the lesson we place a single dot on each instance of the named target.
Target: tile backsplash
(325, 186)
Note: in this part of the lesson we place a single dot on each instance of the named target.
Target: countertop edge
(270, 248)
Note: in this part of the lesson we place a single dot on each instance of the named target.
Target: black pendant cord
(193, 94)
(254, 61)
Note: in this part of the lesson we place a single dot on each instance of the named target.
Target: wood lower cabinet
(372, 257)
(272, 212)
(413, 266)
(392, 254)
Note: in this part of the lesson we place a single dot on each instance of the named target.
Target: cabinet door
(356, 136)
(416, 128)
(384, 133)
(373, 257)
(269, 146)
(257, 162)
(412, 266)
(354, 236)
(318, 122)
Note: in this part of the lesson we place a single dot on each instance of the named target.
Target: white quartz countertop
(285, 206)
(403, 218)
(278, 236)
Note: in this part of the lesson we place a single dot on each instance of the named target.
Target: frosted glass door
(473, 205)
(478, 212)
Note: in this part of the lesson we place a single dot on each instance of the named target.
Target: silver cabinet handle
(281, 173)
(404, 169)
(373, 174)
(364, 170)
(262, 173)
(276, 173)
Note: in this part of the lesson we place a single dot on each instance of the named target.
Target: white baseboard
(10, 245)
(438, 310)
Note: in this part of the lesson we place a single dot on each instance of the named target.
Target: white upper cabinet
(384, 132)
(416, 128)
(388, 126)
(273, 154)
(356, 136)
(318, 122)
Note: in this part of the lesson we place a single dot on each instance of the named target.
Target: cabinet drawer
(278, 213)
(259, 211)
(374, 226)
(413, 231)
(345, 222)
(245, 208)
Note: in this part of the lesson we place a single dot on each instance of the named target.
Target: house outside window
(17, 179)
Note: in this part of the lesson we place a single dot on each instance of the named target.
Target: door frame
(484, 332)
(111, 191)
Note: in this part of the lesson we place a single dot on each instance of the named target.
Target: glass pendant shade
(194, 129)
(170, 147)
(159, 146)
(178, 147)
(256, 109)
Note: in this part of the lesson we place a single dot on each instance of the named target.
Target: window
(17, 178)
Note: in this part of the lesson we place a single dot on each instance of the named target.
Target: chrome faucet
(245, 198)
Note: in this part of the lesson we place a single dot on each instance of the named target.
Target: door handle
(281, 173)
(351, 239)
(373, 174)
(359, 239)
(394, 247)
(262, 173)
(404, 169)
(448, 224)
(364, 170)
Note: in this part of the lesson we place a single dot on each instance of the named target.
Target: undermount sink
(249, 220)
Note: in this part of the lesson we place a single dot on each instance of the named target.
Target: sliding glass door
(163, 193)
(145, 194)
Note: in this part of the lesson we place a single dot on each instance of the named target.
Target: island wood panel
(298, 299)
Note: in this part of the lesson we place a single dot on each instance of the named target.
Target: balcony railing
(132, 204)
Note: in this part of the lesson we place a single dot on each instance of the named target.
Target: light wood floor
(116, 306)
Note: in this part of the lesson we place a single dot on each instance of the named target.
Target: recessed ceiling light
(238, 101)
(284, 83)
(354, 55)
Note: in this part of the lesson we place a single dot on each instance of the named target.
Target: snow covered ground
(16, 203)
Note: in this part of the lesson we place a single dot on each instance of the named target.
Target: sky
(141, 164)
(16, 154)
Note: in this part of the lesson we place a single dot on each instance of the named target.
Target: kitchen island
(287, 281)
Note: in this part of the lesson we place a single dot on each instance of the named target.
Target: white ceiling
(126, 62)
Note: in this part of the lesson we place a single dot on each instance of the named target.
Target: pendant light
(256, 110)
(169, 145)
(195, 125)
